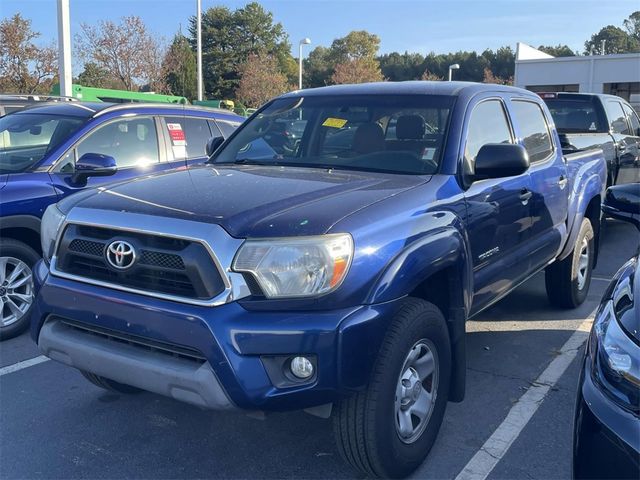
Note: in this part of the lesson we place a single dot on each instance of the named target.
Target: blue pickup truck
(55, 149)
(335, 275)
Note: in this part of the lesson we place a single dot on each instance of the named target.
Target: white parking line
(497, 445)
(22, 365)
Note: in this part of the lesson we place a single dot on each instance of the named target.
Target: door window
(227, 128)
(132, 142)
(617, 121)
(633, 120)
(533, 129)
(188, 136)
(488, 124)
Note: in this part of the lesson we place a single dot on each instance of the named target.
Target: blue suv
(53, 150)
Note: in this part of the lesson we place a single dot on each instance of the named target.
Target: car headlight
(49, 229)
(617, 359)
(297, 266)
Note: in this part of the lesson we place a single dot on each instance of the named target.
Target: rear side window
(227, 128)
(617, 121)
(188, 136)
(633, 120)
(533, 129)
(488, 124)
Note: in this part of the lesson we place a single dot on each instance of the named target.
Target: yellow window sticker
(334, 122)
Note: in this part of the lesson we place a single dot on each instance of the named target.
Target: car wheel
(388, 429)
(16, 286)
(567, 281)
(108, 384)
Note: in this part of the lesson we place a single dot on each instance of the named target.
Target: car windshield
(25, 138)
(386, 133)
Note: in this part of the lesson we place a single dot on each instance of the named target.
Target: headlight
(49, 228)
(617, 359)
(298, 266)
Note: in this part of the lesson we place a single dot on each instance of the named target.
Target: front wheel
(388, 429)
(16, 286)
(567, 281)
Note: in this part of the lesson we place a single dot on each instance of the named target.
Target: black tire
(108, 384)
(23, 252)
(365, 424)
(561, 277)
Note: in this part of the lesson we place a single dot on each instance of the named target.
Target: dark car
(13, 103)
(51, 150)
(606, 442)
(586, 120)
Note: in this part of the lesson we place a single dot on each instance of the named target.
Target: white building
(614, 74)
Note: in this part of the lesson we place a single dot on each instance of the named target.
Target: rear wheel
(16, 286)
(567, 281)
(108, 384)
(388, 429)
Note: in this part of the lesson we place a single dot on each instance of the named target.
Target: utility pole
(199, 48)
(64, 48)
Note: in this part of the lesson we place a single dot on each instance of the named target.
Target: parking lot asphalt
(54, 424)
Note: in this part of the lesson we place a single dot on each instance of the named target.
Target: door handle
(562, 182)
(525, 196)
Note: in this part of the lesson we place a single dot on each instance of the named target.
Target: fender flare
(29, 222)
(440, 249)
(582, 199)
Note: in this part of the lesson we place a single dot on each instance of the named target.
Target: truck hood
(253, 201)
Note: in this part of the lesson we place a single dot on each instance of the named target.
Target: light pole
(304, 41)
(453, 67)
(64, 48)
(199, 49)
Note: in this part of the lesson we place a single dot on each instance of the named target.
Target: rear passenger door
(549, 183)
(186, 139)
(631, 172)
(498, 217)
(626, 143)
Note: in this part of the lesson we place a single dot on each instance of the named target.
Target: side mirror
(622, 202)
(498, 160)
(94, 165)
(213, 144)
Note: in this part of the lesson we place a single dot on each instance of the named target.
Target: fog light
(301, 367)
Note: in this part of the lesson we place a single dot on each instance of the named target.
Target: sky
(416, 26)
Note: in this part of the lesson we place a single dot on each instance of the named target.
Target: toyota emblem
(120, 255)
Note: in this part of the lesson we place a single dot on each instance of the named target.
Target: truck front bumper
(217, 357)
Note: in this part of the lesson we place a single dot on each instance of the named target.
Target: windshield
(387, 133)
(25, 138)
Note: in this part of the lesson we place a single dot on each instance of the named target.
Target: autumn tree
(489, 77)
(179, 67)
(24, 66)
(357, 70)
(261, 80)
(127, 50)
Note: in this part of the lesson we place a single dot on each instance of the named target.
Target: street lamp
(304, 41)
(453, 67)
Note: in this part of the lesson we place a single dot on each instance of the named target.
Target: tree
(632, 25)
(616, 41)
(357, 70)
(260, 80)
(355, 45)
(318, 67)
(24, 67)
(95, 76)
(431, 77)
(127, 50)
(229, 38)
(489, 77)
(557, 51)
(179, 67)
(399, 67)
